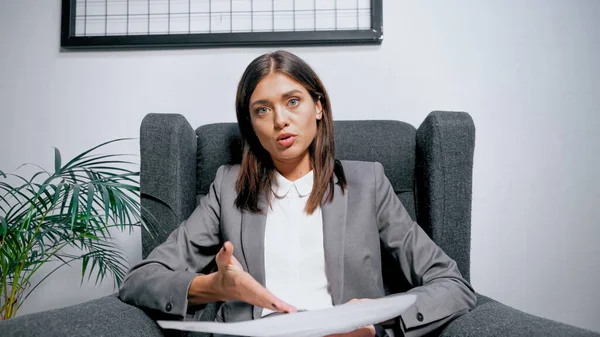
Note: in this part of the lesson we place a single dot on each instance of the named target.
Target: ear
(319, 109)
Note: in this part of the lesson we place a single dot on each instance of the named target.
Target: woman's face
(284, 117)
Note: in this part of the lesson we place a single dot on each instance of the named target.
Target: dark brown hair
(257, 168)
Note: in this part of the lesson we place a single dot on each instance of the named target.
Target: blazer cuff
(413, 317)
(176, 303)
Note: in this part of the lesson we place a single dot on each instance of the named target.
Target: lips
(286, 139)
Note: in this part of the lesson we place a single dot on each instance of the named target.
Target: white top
(294, 253)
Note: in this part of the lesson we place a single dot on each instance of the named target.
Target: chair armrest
(444, 171)
(106, 316)
(167, 173)
(491, 318)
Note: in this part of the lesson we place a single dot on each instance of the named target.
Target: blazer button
(419, 317)
(168, 307)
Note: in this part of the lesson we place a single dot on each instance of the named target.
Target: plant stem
(16, 285)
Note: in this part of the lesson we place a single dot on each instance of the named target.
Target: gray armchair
(430, 169)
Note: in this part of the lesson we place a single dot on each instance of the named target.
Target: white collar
(281, 186)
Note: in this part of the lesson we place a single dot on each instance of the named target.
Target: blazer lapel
(253, 240)
(334, 230)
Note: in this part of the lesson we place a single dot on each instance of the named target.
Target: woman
(292, 228)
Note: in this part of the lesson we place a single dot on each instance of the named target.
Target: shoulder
(357, 167)
(226, 176)
(228, 171)
(362, 172)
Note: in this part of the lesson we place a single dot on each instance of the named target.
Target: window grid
(147, 17)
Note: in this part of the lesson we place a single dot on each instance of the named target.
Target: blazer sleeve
(442, 292)
(161, 281)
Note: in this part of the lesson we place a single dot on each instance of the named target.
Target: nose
(281, 118)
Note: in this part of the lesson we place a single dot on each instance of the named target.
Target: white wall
(527, 71)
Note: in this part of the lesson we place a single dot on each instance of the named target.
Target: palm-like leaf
(76, 206)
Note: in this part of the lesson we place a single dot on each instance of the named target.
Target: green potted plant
(76, 205)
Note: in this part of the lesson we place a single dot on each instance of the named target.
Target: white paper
(316, 323)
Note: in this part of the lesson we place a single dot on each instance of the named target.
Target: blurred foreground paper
(315, 323)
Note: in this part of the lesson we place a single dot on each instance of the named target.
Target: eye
(261, 111)
(293, 102)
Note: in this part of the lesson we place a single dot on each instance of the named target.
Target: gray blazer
(358, 226)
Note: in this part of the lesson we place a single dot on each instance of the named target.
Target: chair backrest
(392, 143)
(430, 169)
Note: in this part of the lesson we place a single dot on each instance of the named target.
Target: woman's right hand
(233, 283)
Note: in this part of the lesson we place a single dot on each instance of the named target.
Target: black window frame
(70, 41)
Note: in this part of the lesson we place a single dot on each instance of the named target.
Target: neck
(293, 169)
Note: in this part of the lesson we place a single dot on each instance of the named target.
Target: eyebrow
(285, 95)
